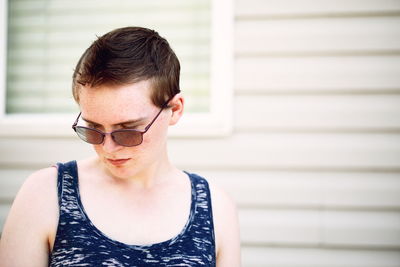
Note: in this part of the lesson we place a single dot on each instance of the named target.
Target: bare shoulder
(39, 190)
(226, 225)
(32, 219)
(40, 181)
(37, 195)
(221, 200)
(223, 205)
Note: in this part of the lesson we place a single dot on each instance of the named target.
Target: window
(46, 38)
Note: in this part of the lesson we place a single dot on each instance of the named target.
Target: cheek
(158, 133)
(149, 144)
(98, 149)
(154, 139)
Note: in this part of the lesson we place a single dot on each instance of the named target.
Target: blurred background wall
(313, 158)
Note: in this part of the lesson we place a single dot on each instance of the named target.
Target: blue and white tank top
(79, 243)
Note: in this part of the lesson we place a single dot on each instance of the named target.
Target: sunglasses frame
(75, 127)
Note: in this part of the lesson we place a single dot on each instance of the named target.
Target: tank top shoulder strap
(203, 194)
(203, 222)
(67, 186)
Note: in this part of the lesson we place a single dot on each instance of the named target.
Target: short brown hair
(128, 55)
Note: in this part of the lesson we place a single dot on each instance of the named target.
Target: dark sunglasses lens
(127, 137)
(89, 135)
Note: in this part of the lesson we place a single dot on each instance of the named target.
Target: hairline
(153, 81)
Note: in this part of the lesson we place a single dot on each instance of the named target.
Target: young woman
(128, 205)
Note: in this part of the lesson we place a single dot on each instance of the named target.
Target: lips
(117, 162)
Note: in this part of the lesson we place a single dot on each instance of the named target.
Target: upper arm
(226, 225)
(33, 216)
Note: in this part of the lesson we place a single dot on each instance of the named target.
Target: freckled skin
(110, 105)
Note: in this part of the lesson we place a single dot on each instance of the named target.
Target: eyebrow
(120, 123)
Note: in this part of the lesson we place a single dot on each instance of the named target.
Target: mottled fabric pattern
(79, 243)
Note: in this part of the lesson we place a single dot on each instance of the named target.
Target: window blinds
(47, 37)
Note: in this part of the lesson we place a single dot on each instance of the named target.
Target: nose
(109, 145)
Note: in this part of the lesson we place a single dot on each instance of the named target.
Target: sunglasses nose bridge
(110, 144)
(104, 136)
(113, 138)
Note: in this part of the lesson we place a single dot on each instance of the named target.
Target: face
(126, 107)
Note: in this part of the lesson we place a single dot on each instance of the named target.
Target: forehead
(107, 104)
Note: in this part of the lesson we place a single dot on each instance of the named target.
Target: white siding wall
(314, 158)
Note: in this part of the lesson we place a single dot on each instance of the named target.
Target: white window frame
(215, 123)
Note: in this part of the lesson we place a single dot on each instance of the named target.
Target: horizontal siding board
(253, 8)
(328, 190)
(282, 150)
(270, 188)
(317, 257)
(273, 227)
(41, 153)
(317, 74)
(318, 112)
(358, 229)
(362, 190)
(318, 35)
(240, 151)
(361, 228)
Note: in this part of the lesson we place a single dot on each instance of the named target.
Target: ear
(177, 105)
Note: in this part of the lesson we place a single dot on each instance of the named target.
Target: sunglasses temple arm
(158, 114)
(76, 121)
(151, 123)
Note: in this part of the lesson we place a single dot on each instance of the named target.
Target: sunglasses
(123, 137)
